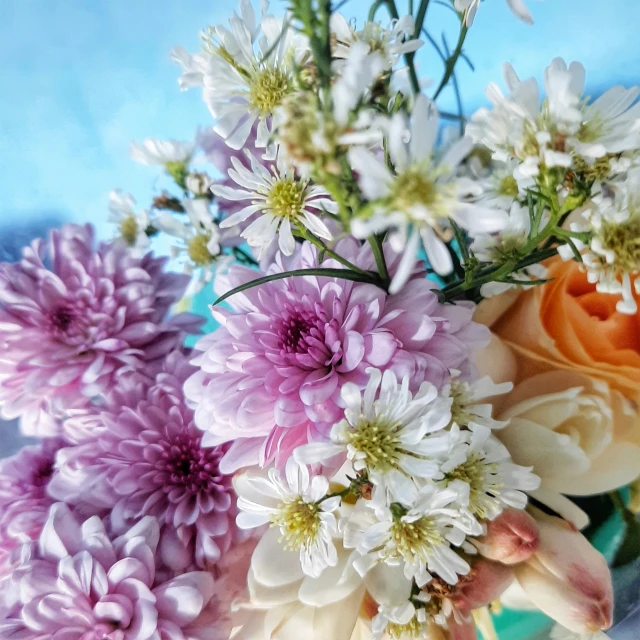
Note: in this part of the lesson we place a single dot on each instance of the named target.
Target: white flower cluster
(418, 476)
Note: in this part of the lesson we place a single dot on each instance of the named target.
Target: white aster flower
(613, 257)
(132, 225)
(389, 43)
(199, 240)
(467, 408)
(251, 70)
(471, 6)
(295, 504)
(500, 247)
(193, 67)
(416, 536)
(562, 130)
(164, 153)
(388, 433)
(479, 467)
(417, 201)
(500, 187)
(282, 201)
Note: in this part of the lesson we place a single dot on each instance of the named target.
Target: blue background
(82, 78)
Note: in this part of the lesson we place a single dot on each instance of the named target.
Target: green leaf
(345, 274)
(629, 550)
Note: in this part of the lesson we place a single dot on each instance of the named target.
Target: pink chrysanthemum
(142, 455)
(270, 377)
(24, 502)
(80, 583)
(73, 318)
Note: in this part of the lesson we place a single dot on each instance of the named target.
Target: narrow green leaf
(345, 274)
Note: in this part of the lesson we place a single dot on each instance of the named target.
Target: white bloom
(467, 410)
(471, 6)
(165, 153)
(389, 43)
(479, 467)
(497, 248)
(421, 196)
(295, 504)
(403, 622)
(500, 187)
(132, 225)
(199, 245)
(282, 201)
(251, 70)
(613, 258)
(386, 432)
(563, 127)
(416, 536)
(193, 66)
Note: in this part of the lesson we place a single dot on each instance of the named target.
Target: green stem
(452, 61)
(410, 57)
(378, 253)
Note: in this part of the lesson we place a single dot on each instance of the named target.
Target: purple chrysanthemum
(78, 582)
(142, 455)
(73, 318)
(24, 502)
(270, 377)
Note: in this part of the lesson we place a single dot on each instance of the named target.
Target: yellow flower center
(410, 630)
(198, 252)
(415, 539)
(378, 440)
(129, 230)
(286, 198)
(267, 90)
(623, 238)
(479, 477)
(299, 522)
(508, 186)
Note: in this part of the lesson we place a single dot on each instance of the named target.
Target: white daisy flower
(518, 8)
(389, 43)
(388, 433)
(403, 622)
(500, 187)
(417, 536)
(479, 467)
(499, 247)
(251, 70)
(283, 202)
(417, 201)
(199, 240)
(164, 153)
(467, 408)
(298, 506)
(563, 127)
(613, 256)
(132, 225)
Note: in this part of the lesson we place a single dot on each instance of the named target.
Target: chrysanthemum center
(267, 90)
(129, 230)
(299, 522)
(414, 187)
(623, 239)
(286, 198)
(62, 317)
(478, 475)
(198, 251)
(378, 441)
(189, 465)
(415, 539)
(460, 396)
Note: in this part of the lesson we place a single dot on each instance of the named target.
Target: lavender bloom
(270, 377)
(142, 455)
(74, 318)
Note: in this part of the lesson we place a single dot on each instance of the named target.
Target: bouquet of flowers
(421, 357)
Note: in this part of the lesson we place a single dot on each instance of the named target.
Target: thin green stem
(452, 61)
(378, 253)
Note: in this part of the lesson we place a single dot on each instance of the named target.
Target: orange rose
(566, 324)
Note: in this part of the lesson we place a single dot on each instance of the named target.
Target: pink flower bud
(511, 538)
(485, 583)
(567, 578)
